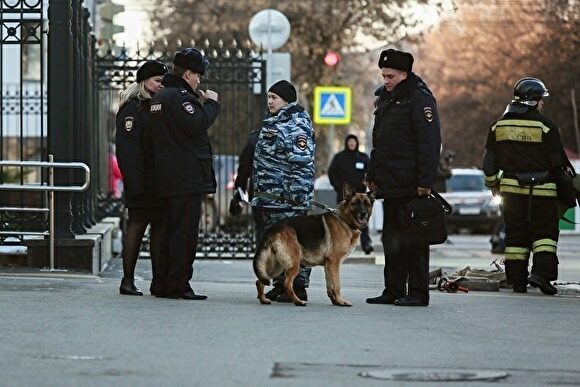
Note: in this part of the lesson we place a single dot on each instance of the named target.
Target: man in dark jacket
(350, 166)
(404, 160)
(183, 162)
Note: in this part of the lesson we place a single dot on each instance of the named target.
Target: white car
(474, 207)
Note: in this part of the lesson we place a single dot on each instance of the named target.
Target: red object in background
(331, 58)
(115, 177)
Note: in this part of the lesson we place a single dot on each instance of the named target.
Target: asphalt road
(74, 330)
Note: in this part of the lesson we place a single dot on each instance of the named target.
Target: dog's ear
(372, 195)
(347, 192)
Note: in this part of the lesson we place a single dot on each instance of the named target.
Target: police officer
(522, 157)
(283, 172)
(180, 120)
(135, 155)
(350, 165)
(404, 160)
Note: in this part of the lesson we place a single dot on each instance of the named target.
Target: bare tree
(345, 26)
(473, 59)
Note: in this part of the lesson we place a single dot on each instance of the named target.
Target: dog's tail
(262, 253)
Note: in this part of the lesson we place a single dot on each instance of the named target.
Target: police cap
(150, 69)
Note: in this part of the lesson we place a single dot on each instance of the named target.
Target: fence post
(60, 105)
(88, 115)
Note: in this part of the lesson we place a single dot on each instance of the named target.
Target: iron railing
(49, 188)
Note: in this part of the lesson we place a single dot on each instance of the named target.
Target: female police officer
(135, 161)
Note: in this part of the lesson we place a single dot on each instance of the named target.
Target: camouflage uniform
(284, 166)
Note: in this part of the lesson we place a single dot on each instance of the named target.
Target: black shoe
(300, 293)
(410, 301)
(189, 295)
(128, 288)
(273, 293)
(545, 286)
(368, 249)
(382, 299)
(520, 288)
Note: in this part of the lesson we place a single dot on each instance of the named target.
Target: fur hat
(398, 60)
(191, 59)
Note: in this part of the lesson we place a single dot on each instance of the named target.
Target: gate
(238, 75)
(23, 125)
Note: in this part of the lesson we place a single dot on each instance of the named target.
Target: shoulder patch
(188, 107)
(428, 113)
(301, 142)
(129, 123)
(155, 107)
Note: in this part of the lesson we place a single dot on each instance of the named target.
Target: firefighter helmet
(529, 91)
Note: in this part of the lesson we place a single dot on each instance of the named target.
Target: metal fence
(59, 94)
(238, 75)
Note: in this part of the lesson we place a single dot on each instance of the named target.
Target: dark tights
(132, 244)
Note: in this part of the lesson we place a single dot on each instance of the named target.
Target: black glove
(236, 205)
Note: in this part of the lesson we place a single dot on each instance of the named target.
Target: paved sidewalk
(76, 330)
(69, 329)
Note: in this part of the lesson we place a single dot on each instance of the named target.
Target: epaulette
(425, 90)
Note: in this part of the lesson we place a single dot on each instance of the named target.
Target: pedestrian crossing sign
(332, 105)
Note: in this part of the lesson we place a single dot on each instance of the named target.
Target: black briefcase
(567, 182)
(424, 218)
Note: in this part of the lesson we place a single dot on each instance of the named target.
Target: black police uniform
(135, 156)
(405, 156)
(521, 142)
(350, 166)
(183, 171)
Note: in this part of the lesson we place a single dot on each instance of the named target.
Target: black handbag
(568, 194)
(424, 217)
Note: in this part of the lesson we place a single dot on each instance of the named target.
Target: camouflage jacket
(284, 160)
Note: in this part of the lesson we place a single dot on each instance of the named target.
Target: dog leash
(293, 202)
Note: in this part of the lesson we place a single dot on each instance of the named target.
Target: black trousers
(406, 259)
(183, 215)
(537, 235)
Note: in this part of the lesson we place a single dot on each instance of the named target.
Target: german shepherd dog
(312, 240)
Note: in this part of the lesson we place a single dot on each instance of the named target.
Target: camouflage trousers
(265, 218)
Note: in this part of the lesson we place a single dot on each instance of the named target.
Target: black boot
(299, 289)
(368, 248)
(517, 274)
(410, 301)
(382, 299)
(128, 288)
(273, 293)
(520, 288)
(545, 286)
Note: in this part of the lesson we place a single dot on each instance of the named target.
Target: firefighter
(522, 158)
